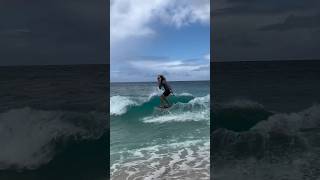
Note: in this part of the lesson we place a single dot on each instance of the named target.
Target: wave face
(185, 107)
(121, 105)
(158, 143)
(196, 109)
(30, 137)
(239, 115)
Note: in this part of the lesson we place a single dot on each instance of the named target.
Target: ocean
(266, 120)
(265, 124)
(53, 122)
(149, 143)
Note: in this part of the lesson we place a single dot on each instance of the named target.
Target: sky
(254, 30)
(46, 32)
(169, 37)
(163, 32)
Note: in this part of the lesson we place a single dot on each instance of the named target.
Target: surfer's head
(161, 77)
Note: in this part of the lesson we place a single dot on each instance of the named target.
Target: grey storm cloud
(265, 29)
(53, 32)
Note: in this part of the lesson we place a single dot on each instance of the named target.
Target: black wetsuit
(167, 89)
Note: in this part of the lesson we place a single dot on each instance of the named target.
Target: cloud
(133, 19)
(147, 69)
(169, 66)
(133, 23)
(294, 22)
(207, 56)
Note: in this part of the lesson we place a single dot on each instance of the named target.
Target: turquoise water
(152, 143)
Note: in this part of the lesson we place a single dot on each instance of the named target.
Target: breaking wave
(120, 105)
(197, 109)
(185, 107)
(265, 132)
(29, 137)
(252, 142)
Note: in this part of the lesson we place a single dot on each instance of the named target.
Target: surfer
(167, 91)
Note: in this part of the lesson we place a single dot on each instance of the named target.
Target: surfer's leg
(166, 100)
(161, 101)
(165, 95)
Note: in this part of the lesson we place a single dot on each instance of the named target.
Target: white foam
(185, 94)
(174, 160)
(156, 92)
(205, 100)
(290, 123)
(120, 104)
(178, 117)
(156, 174)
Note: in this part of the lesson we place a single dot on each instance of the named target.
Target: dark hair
(162, 77)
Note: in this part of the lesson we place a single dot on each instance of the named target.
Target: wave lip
(120, 104)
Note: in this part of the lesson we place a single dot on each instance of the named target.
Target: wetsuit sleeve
(166, 85)
(169, 87)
